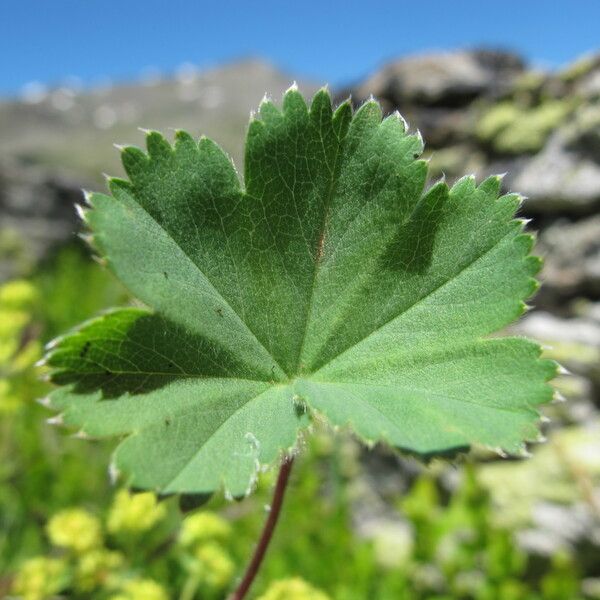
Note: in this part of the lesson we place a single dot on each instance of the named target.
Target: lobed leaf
(330, 282)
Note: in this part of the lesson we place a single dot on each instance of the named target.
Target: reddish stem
(267, 532)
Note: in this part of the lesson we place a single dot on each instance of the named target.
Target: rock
(36, 213)
(449, 79)
(557, 527)
(553, 475)
(508, 128)
(550, 328)
(584, 76)
(571, 252)
(565, 176)
(433, 91)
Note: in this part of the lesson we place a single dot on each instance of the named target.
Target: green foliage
(452, 549)
(511, 128)
(72, 288)
(330, 285)
(41, 471)
(142, 542)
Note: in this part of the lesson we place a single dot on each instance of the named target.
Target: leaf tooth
(491, 187)
(294, 103)
(87, 197)
(557, 397)
(441, 180)
(560, 370)
(108, 179)
(420, 141)
(81, 212)
(158, 147)
(396, 114)
(40, 363)
(113, 472)
(467, 182)
(369, 443)
(520, 199)
(268, 112)
(44, 401)
(266, 99)
(81, 435)
(523, 452)
(53, 343)
(134, 160)
(88, 238)
(101, 260)
(320, 106)
(500, 452)
(368, 115)
(345, 105)
(56, 420)
(183, 140)
(528, 307)
(117, 186)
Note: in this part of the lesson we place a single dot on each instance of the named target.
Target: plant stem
(267, 532)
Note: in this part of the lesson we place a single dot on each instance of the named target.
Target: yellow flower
(94, 568)
(203, 527)
(40, 577)
(17, 294)
(214, 565)
(134, 512)
(75, 529)
(293, 589)
(141, 589)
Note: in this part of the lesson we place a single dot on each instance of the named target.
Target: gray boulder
(448, 79)
(565, 176)
(572, 259)
(37, 213)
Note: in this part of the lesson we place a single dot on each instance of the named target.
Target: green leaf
(328, 285)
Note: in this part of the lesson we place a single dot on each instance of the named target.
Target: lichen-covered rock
(434, 91)
(509, 128)
(552, 495)
(565, 176)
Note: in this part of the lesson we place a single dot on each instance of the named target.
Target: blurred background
(511, 87)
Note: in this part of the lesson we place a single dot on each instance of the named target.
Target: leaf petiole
(267, 532)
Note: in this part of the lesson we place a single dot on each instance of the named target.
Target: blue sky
(335, 42)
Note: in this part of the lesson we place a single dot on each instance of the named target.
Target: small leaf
(329, 282)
